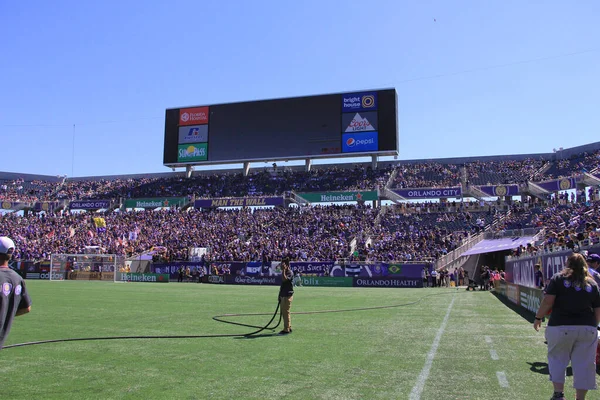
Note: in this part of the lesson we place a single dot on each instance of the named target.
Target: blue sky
(473, 77)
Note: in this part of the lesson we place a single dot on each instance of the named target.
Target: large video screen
(332, 125)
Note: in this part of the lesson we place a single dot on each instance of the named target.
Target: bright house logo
(192, 152)
(359, 102)
(360, 142)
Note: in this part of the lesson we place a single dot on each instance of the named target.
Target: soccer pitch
(436, 344)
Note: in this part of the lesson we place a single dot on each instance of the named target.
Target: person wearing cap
(593, 261)
(14, 299)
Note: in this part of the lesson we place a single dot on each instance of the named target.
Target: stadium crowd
(404, 232)
(277, 181)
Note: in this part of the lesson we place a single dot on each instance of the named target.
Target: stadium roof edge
(282, 98)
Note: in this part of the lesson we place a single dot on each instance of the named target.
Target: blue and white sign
(193, 134)
(366, 101)
(360, 142)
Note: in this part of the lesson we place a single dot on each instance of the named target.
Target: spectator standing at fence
(539, 277)
(594, 266)
(14, 299)
(594, 262)
(572, 334)
(286, 296)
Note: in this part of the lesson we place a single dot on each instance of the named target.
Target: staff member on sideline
(14, 299)
(286, 295)
(573, 296)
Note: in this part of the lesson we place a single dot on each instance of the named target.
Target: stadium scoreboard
(324, 126)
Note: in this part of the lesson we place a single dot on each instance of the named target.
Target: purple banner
(429, 193)
(559, 184)
(501, 190)
(89, 204)
(239, 202)
(14, 205)
(521, 270)
(45, 206)
(378, 270)
(492, 245)
(318, 268)
(388, 282)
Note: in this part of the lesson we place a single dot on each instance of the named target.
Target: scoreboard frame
(195, 121)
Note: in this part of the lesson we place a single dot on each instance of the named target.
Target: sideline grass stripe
(415, 394)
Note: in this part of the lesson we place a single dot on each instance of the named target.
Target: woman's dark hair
(577, 270)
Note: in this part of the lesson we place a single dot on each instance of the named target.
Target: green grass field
(438, 344)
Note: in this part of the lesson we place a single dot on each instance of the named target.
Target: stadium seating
(409, 231)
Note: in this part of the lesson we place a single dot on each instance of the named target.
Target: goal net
(87, 267)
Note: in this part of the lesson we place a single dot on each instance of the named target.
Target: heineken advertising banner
(429, 193)
(331, 197)
(156, 202)
(239, 202)
(559, 184)
(137, 277)
(89, 204)
(388, 282)
(521, 270)
(326, 281)
(500, 190)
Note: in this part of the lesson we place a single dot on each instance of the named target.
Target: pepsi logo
(350, 142)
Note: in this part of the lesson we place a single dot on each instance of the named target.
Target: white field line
(502, 379)
(488, 339)
(415, 394)
(494, 355)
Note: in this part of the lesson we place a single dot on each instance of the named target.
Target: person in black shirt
(286, 295)
(14, 299)
(572, 334)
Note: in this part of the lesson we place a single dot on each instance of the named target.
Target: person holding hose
(286, 295)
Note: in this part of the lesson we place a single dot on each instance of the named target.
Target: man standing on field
(14, 299)
(286, 296)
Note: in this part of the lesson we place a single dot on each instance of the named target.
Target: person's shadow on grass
(542, 368)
